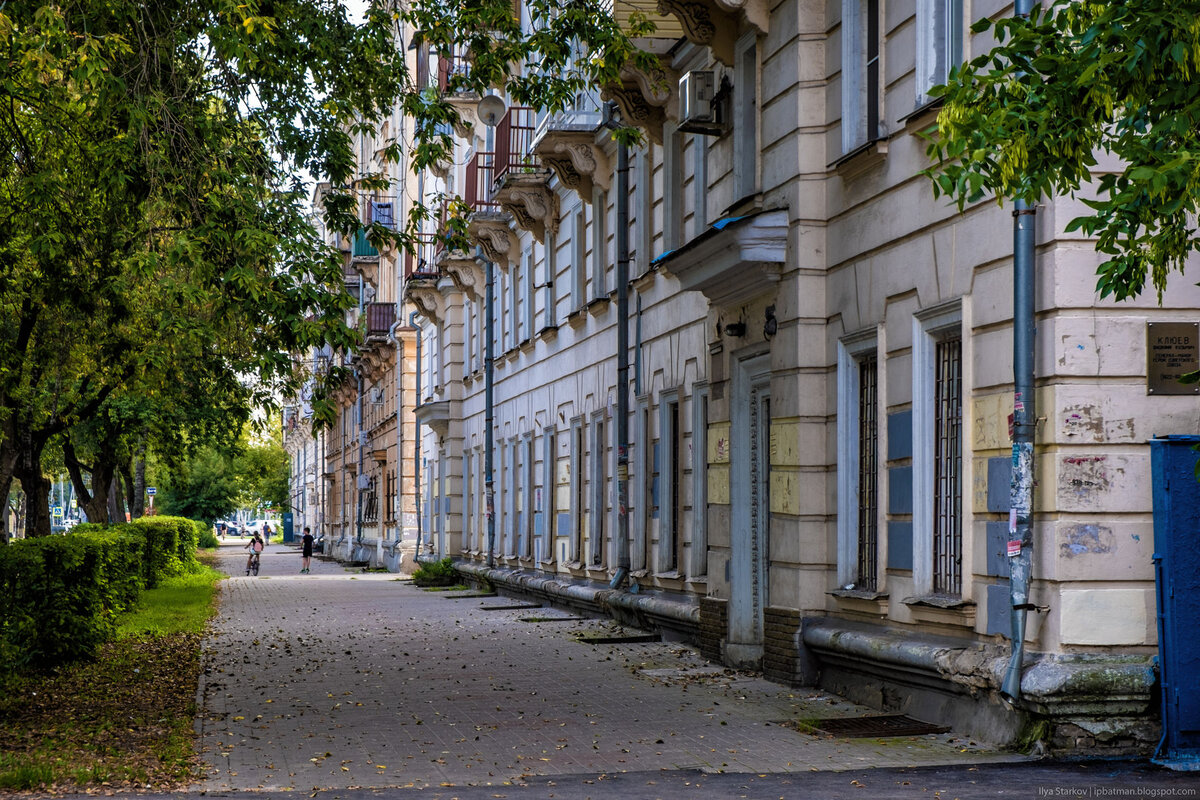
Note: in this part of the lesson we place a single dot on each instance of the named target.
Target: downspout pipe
(1020, 526)
(489, 408)
(621, 579)
(394, 334)
(412, 321)
(362, 433)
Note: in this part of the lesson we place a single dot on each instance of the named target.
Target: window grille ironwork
(947, 531)
(868, 475)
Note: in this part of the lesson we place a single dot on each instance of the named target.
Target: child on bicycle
(255, 546)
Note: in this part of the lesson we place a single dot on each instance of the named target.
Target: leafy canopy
(1071, 82)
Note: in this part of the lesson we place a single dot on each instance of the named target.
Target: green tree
(151, 224)
(1071, 81)
(205, 488)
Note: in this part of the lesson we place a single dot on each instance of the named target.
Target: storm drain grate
(522, 607)
(472, 596)
(889, 725)
(646, 638)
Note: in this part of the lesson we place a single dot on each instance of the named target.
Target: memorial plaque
(1172, 351)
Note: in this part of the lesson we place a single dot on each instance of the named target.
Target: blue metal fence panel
(1177, 571)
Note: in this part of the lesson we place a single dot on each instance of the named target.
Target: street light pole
(491, 108)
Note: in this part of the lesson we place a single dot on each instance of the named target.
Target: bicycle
(252, 564)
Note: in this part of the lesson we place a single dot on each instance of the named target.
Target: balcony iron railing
(421, 264)
(363, 248)
(449, 67)
(514, 141)
(380, 317)
(480, 177)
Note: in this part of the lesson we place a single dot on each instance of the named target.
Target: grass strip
(122, 721)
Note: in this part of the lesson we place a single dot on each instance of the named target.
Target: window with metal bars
(868, 473)
(947, 499)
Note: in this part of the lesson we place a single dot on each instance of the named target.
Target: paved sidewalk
(342, 679)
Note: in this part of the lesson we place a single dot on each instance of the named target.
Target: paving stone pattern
(341, 679)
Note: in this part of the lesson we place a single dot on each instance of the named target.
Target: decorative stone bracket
(715, 22)
(490, 230)
(533, 205)
(436, 416)
(466, 272)
(374, 361)
(466, 104)
(576, 159)
(368, 268)
(425, 295)
(646, 99)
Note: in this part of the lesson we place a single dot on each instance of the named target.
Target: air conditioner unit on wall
(699, 111)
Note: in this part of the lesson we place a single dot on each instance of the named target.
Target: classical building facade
(820, 384)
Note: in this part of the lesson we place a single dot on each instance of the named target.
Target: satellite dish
(491, 108)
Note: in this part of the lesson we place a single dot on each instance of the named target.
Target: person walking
(306, 553)
(266, 532)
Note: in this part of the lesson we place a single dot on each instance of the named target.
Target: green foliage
(1073, 80)
(63, 594)
(208, 540)
(436, 573)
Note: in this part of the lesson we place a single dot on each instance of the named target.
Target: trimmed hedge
(62, 594)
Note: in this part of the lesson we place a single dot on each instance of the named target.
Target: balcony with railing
(421, 261)
(521, 180)
(566, 143)
(380, 318)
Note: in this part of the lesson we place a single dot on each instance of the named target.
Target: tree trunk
(115, 512)
(139, 481)
(28, 470)
(94, 502)
(132, 503)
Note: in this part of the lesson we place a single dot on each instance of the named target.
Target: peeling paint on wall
(1087, 422)
(1084, 476)
(1086, 538)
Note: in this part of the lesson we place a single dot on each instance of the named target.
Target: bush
(436, 573)
(208, 540)
(63, 594)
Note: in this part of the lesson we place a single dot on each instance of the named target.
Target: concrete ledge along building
(820, 390)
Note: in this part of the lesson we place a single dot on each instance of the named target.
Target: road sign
(58, 511)
(150, 490)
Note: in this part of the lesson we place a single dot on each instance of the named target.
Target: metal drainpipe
(362, 433)
(621, 579)
(394, 333)
(489, 401)
(1020, 526)
(412, 320)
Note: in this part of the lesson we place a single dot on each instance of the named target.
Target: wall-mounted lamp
(771, 325)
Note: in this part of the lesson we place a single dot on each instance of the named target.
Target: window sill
(643, 282)
(863, 158)
(577, 318)
(861, 601)
(922, 116)
(548, 333)
(669, 575)
(511, 353)
(597, 306)
(526, 346)
(942, 609)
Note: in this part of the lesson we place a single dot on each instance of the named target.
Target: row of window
(556, 492)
